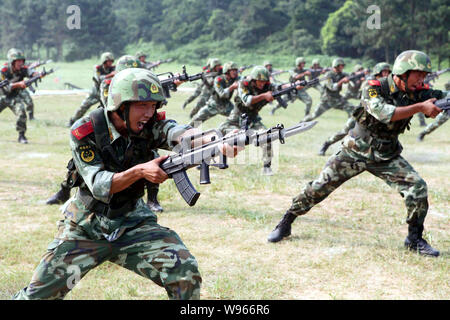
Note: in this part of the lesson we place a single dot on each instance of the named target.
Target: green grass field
(350, 246)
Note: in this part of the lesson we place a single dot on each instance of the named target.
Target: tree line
(205, 27)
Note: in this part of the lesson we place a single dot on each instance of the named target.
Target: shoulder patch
(83, 130)
(108, 81)
(87, 153)
(98, 67)
(161, 116)
(245, 83)
(4, 69)
(219, 79)
(25, 67)
(374, 83)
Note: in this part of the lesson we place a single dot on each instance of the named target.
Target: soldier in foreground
(107, 220)
(16, 96)
(380, 70)
(387, 107)
(105, 70)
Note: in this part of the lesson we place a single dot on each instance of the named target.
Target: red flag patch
(83, 130)
(374, 83)
(161, 116)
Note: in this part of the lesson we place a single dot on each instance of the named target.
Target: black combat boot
(324, 149)
(30, 116)
(22, 138)
(420, 137)
(152, 200)
(60, 197)
(272, 112)
(283, 228)
(415, 242)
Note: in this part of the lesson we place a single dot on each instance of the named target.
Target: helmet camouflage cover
(126, 62)
(337, 62)
(140, 54)
(15, 54)
(260, 73)
(299, 60)
(134, 85)
(357, 67)
(106, 56)
(213, 62)
(315, 61)
(379, 67)
(267, 63)
(229, 66)
(411, 60)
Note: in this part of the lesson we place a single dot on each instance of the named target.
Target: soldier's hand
(429, 109)
(19, 85)
(153, 172)
(234, 85)
(268, 96)
(308, 73)
(228, 150)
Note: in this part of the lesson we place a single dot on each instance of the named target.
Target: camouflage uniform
(89, 235)
(316, 70)
(354, 86)
(302, 95)
(219, 102)
(17, 100)
(207, 85)
(439, 121)
(373, 146)
(243, 99)
(100, 71)
(330, 97)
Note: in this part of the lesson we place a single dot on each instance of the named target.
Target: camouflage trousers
(331, 103)
(192, 97)
(210, 110)
(340, 167)
(25, 95)
(90, 100)
(201, 102)
(303, 96)
(342, 133)
(439, 121)
(421, 117)
(150, 250)
(18, 106)
(234, 122)
(350, 94)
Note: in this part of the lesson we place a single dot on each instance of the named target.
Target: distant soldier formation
(115, 156)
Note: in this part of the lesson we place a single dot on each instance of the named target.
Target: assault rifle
(293, 88)
(243, 68)
(4, 83)
(38, 78)
(176, 165)
(444, 104)
(38, 64)
(277, 72)
(357, 76)
(319, 70)
(153, 65)
(169, 83)
(434, 75)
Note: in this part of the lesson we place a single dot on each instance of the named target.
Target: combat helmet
(140, 54)
(15, 54)
(229, 66)
(128, 61)
(299, 60)
(259, 73)
(106, 56)
(267, 63)
(337, 62)
(133, 85)
(357, 67)
(315, 61)
(411, 60)
(379, 67)
(213, 62)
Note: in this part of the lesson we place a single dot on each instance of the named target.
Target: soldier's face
(260, 84)
(109, 63)
(233, 73)
(142, 59)
(269, 67)
(416, 79)
(385, 73)
(301, 65)
(340, 67)
(18, 64)
(140, 114)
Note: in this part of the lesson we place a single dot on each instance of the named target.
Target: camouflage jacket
(296, 72)
(6, 73)
(332, 90)
(100, 72)
(375, 136)
(243, 99)
(97, 172)
(222, 93)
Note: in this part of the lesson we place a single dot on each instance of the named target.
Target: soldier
(440, 120)
(387, 106)
(63, 194)
(380, 70)
(254, 92)
(15, 97)
(354, 86)
(316, 70)
(107, 219)
(105, 70)
(198, 89)
(330, 97)
(141, 56)
(219, 102)
(214, 69)
(299, 73)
